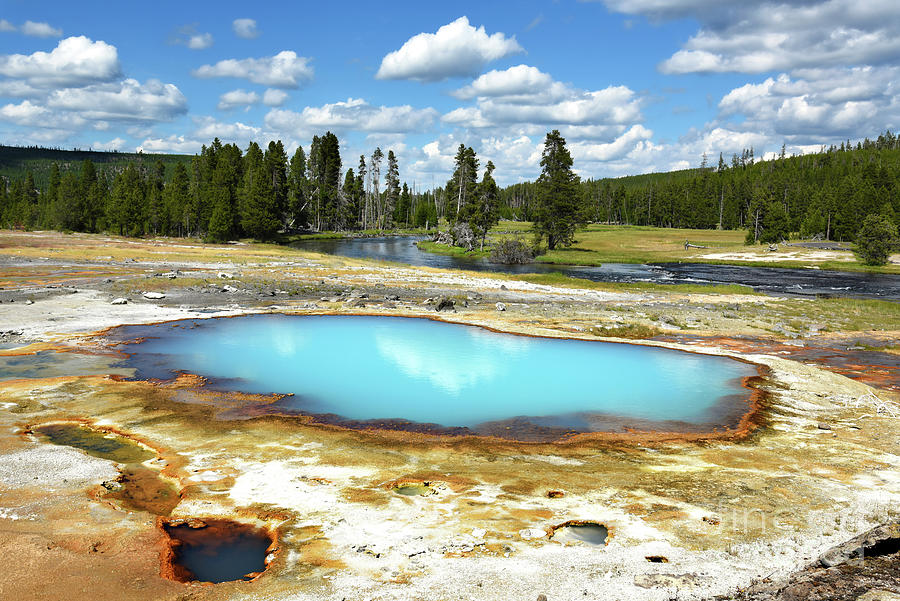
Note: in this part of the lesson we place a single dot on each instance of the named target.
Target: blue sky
(634, 85)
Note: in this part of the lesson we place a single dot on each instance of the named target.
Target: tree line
(826, 194)
(224, 193)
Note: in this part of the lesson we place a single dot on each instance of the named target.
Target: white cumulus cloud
(41, 30)
(818, 104)
(777, 35)
(353, 114)
(284, 70)
(200, 41)
(245, 28)
(236, 98)
(128, 100)
(521, 80)
(6, 26)
(25, 113)
(76, 61)
(456, 50)
(525, 97)
(273, 97)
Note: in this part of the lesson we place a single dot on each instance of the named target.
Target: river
(771, 280)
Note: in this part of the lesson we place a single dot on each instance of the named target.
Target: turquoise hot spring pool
(410, 373)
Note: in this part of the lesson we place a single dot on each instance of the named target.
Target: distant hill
(16, 161)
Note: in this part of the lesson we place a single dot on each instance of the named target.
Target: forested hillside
(826, 193)
(220, 194)
(224, 192)
(16, 161)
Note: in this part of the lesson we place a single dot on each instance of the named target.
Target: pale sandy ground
(804, 255)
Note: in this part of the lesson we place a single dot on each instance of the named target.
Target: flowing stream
(772, 280)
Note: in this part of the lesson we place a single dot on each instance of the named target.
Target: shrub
(511, 252)
(875, 240)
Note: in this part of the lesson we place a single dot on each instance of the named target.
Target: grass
(847, 314)
(597, 244)
(632, 331)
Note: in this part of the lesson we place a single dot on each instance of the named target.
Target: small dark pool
(217, 550)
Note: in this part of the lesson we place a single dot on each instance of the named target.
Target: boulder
(119, 301)
(445, 304)
(501, 307)
(154, 295)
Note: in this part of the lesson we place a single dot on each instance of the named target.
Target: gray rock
(445, 304)
(227, 288)
(501, 307)
(225, 276)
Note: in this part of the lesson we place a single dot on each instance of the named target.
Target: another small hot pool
(216, 550)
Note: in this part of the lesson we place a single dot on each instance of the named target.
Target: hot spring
(406, 373)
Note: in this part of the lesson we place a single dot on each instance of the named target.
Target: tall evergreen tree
(557, 214)
(298, 189)
(276, 168)
(258, 211)
(178, 202)
(485, 212)
(362, 185)
(374, 177)
(403, 210)
(462, 185)
(125, 212)
(329, 180)
(391, 189)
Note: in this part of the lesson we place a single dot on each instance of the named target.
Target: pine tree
(362, 185)
(556, 215)
(178, 201)
(126, 203)
(329, 180)
(403, 210)
(258, 214)
(276, 168)
(156, 207)
(461, 188)
(482, 211)
(298, 189)
(374, 176)
(391, 188)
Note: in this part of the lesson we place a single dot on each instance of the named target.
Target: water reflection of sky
(379, 368)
